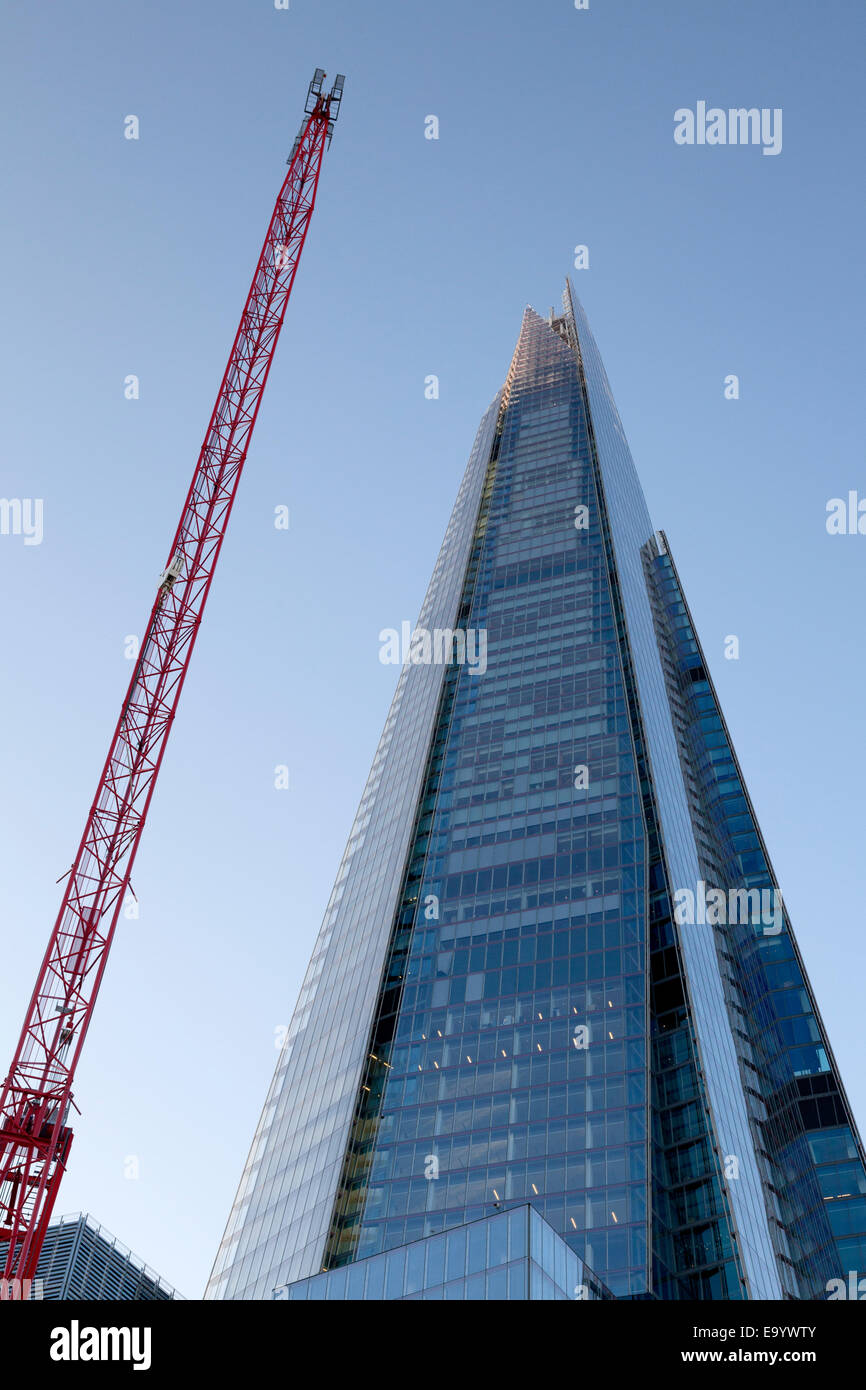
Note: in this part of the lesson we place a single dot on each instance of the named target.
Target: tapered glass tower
(555, 971)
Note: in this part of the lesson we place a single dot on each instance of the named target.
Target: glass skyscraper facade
(555, 970)
(514, 1255)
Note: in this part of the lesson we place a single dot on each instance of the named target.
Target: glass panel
(435, 1273)
(477, 1247)
(455, 1260)
(415, 1267)
(375, 1278)
(396, 1263)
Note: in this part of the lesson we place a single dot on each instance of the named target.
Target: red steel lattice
(35, 1136)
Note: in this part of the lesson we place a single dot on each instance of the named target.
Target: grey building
(80, 1259)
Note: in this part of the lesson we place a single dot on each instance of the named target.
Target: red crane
(35, 1135)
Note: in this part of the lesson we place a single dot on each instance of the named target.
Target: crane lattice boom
(35, 1135)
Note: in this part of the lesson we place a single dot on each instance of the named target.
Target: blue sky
(118, 257)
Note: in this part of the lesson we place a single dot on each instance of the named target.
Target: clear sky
(132, 257)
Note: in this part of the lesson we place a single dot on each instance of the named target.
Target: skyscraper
(555, 969)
